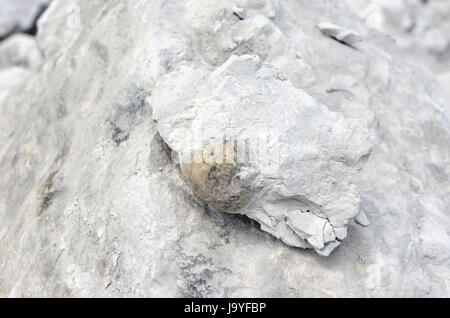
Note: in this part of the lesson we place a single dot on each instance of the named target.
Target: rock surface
(19, 15)
(309, 167)
(96, 199)
(421, 27)
(20, 50)
(342, 35)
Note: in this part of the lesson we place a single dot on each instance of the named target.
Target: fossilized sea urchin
(219, 178)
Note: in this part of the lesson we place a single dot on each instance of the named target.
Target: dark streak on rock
(238, 16)
(118, 135)
(46, 195)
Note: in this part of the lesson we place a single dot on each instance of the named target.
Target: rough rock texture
(19, 56)
(20, 50)
(10, 78)
(415, 24)
(420, 26)
(342, 35)
(314, 170)
(95, 198)
(19, 15)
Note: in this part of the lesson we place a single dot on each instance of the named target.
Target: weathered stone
(95, 199)
(11, 78)
(20, 50)
(310, 147)
(421, 27)
(308, 226)
(342, 35)
(340, 232)
(362, 219)
(19, 15)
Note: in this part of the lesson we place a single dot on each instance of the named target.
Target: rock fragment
(340, 232)
(328, 233)
(10, 78)
(308, 226)
(362, 219)
(125, 224)
(338, 33)
(328, 249)
(283, 184)
(20, 50)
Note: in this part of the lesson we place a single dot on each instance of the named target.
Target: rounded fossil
(221, 183)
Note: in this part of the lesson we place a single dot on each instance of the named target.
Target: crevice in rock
(46, 193)
(118, 135)
(34, 28)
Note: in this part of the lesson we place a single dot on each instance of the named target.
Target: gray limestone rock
(421, 27)
(362, 219)
(11, 78)
(19, 15)
(97, 197)
(20, 50)
(293, 153)
(340, 34)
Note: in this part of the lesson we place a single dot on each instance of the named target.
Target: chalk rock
(343, 35)
(20, 50)
(340, 232)
(421, 27)
(10, 78)
(97, 199)
(293, 154)
(362, 219)
(308, 226)
(19, 15)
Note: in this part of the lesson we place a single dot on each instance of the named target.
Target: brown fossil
(216, 180)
